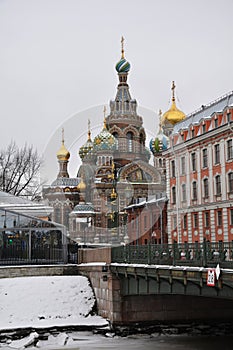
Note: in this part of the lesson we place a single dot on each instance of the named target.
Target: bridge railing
(191, 254)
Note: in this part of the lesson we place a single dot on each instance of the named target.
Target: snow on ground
(42, 302)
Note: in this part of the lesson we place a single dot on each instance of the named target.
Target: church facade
(115, 178)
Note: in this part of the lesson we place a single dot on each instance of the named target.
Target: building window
(184, 193)
(206, 188)
(173, 195)
(228, 117)
(185, 222)
(192, 133)
(204, 128)
(115, 134)
(195, 220)
(205, 158)
(174, 222)
(230, 182)
(182, 165)
(145, 222)
(207, 219)
(216, 122)
(231, 217)
(193, 161)
(129, 137)
(173, 168)
(218, 185)
(219, 217)
(194, 190)
(217, 153)
(229, 149)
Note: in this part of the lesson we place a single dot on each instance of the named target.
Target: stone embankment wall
(37, 270)
(94, 263)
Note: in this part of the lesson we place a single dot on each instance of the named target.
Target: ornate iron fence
(190, 254)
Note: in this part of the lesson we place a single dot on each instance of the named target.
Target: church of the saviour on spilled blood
(118, 196)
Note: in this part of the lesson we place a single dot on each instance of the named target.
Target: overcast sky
(58, 59)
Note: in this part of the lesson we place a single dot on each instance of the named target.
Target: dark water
(152, 342)
(159, 342)
(200, 338)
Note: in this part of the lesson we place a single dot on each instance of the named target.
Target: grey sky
(58, 56)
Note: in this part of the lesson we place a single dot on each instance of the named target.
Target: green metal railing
(190, 254)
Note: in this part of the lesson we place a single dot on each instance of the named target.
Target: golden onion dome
(173, 115)
(81, 186)
(63, 153)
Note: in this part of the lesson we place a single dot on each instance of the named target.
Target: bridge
(161, 283)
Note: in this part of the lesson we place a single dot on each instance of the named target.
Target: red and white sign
(211, 278)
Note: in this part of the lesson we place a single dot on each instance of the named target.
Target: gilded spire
(89, 130)
(173, 91)
(104, 110)
(122, 48)
(160, 119)
(62, 136)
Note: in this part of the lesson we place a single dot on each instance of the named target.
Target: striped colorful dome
(123, 66)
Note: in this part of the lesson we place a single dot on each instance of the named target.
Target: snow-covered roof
(146, 202)
(205, 112)
(64, 182)
(23, 205)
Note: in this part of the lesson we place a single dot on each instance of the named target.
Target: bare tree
(19, 171)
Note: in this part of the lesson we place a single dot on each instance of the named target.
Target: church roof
(23, 205)
(84, 208)
(205, 112)
(65, 182)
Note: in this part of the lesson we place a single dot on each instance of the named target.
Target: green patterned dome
(105, 140)
(87, 148)
(123, 66)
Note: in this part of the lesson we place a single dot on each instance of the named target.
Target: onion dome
(81, 186)
(63, 154)
(161, 141)
(123, 66)
(105, 140)
(87, 148)
(173, 115)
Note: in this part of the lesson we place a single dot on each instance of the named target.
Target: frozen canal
(89, 341)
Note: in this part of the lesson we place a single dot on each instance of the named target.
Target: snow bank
(42, 302)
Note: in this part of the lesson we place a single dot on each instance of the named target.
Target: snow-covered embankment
(44, 302)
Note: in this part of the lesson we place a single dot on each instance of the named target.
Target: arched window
(184, 192)
(129, 136)
(173, 195)
(141, 142)
(115, 134)
(206, 188)
(194, 190)
(218, 185)
(230, 182)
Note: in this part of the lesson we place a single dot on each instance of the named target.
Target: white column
(211, 179)
(189, 227)
(223, 170)
(168, 190)
(199, 189)
(187, 161)
(212, 225)
(225, 225)
(200, 225)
